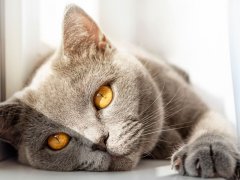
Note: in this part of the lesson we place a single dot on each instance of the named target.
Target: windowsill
(147, 170)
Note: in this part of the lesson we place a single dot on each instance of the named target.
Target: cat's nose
(101, 144)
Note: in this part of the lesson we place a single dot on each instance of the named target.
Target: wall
(21, 41)
(51, 16)
(2, 51)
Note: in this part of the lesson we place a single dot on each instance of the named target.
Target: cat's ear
(10, 113)
(81, 33)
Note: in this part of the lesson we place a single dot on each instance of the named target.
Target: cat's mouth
(116, 155)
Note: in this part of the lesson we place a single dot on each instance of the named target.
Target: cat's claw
(176, 164)
(198, 167)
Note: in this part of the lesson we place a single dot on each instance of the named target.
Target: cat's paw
(208, 156)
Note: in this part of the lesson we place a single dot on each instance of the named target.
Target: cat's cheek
(105, 163)
(101, 161)
(124, 142)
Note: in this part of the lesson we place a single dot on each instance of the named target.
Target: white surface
(147, 170)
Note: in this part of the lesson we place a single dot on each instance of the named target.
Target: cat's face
(61, 103)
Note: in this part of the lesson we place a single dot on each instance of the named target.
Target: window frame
(234, 37)
(2, 51)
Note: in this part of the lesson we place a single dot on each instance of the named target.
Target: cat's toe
(207, 162)
(205, 159)
(178, 160)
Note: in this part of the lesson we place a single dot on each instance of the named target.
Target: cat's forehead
(64, 91)
(72, 69)
(95, 67)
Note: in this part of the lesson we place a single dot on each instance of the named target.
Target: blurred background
(201, 36)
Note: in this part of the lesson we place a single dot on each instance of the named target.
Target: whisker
(160, 95)
(172, 98)
(162, 130)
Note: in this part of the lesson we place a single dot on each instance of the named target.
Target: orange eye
(58, 141)
(103, 97)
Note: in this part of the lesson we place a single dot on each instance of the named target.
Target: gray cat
(91, 106)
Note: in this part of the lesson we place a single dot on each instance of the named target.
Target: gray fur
(153, 112)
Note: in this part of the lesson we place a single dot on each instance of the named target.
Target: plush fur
(154, 110)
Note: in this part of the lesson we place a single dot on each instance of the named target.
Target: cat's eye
(58, 141)
(103, 97)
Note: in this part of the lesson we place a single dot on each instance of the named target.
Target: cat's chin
(123, 163)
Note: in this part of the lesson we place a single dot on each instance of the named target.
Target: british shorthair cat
(91, 106)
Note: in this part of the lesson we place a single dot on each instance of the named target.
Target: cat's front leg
(210, 151)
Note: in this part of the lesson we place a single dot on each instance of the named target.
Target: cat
(92, 106)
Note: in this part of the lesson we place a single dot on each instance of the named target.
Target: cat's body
(154, 110)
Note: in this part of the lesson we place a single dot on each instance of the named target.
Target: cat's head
(89, 107)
